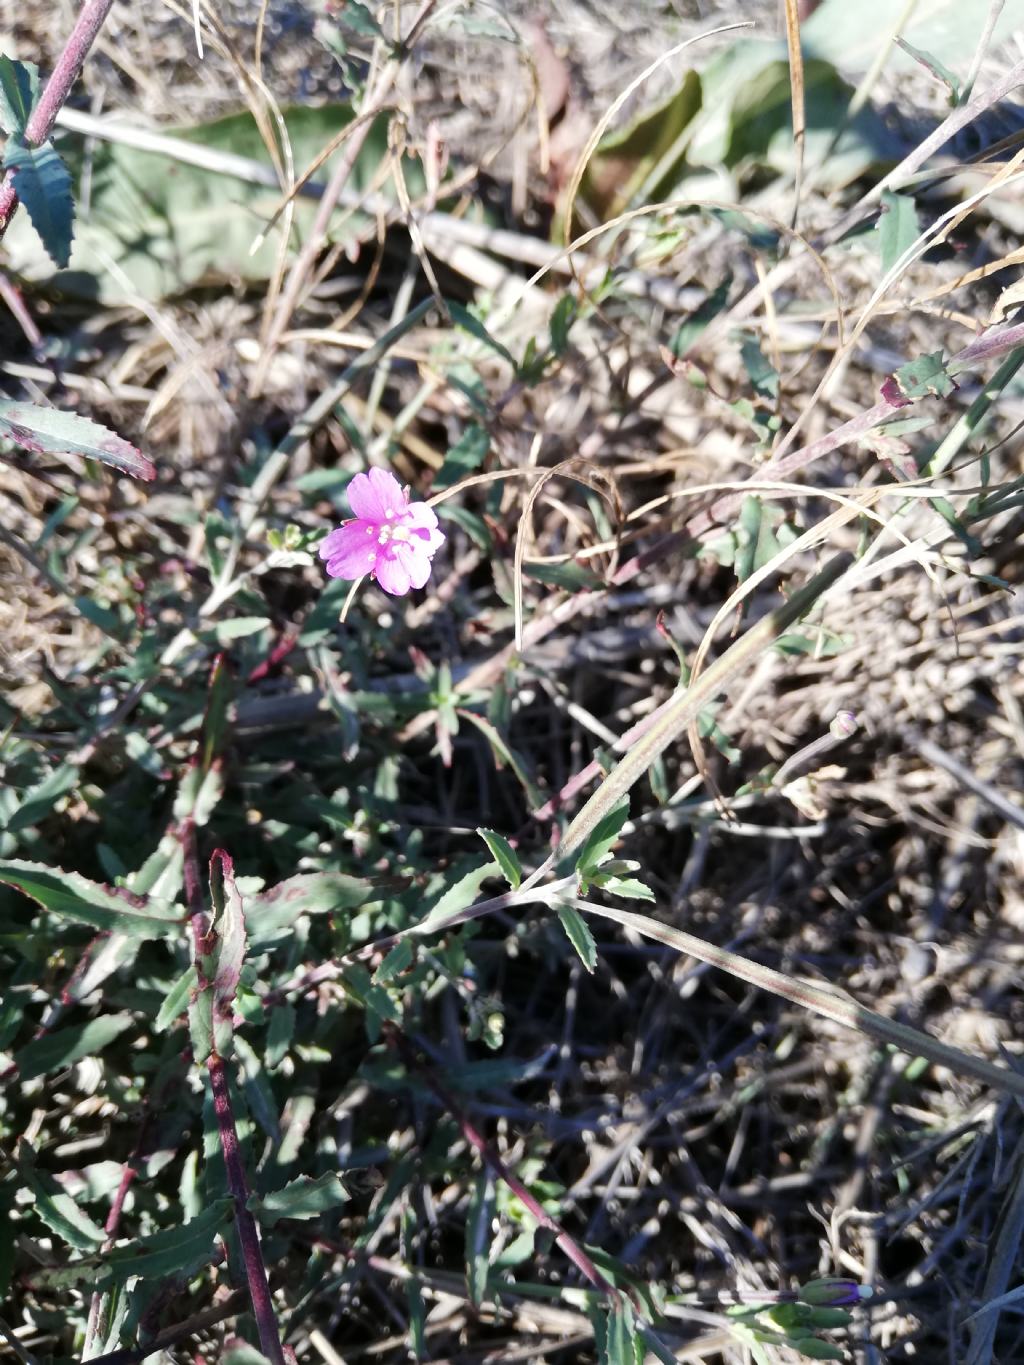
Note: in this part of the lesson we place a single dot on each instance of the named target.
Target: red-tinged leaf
(892, 394)
(51, 431)
(229, 925)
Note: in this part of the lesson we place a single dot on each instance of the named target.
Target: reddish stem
(245, 1223)
(58, 88)
(569, 1245)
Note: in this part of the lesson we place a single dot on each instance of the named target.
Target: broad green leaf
(76, 898)
(59, 1049)
(44, 187)
(301, 1198)
(923, 376)
(19, 90)
(504, 855)
(176, 1000)
(897, 228)
(689, 331)
(579, 935)
(761, 532)
(462, 894)
(763, 375)
(52, 431)
(57, 1209)
(269, 913)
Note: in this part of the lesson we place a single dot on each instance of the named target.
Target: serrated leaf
(43, 184)
(176, 1000)
(198, 794)
(462, 894)
(77, 898)
(272, 912)
(51, 431)
(301, 1198)
(578, 933)
(19, 90)
(59, 1049)
(628, 887)
(504, 855)
(57, 1209)
(180, 1251)
(897, 228)
(923, 376)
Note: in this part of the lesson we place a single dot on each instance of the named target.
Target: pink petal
(372, 496)
(393, 570)
(422, 522)
(351, 550)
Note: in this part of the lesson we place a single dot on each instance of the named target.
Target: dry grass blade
(830, 1004)
(679, 711)
(796, 84)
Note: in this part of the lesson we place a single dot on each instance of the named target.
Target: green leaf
(504, 855)
(470, 323)
(573, 577)
(763, 375)
(923, 376)
(179, 1251)
(19, 90)
(761, 533)
(57, 1209)
(67, 1045)
(239, 627)
(462, 894)
(51, 431)
(272, 912)
(76, 898)
(478, 1236)
(897, 228)
(176, 1000)
(44, 187)
(690, 329)
(301, 1198)
(198, 794)
(603, 837)
(396, 962)
(578, 933)
(41, 800)
(229, 927)
(464, 457)
(170, 225)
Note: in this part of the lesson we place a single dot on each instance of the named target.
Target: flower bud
(844, 725)
(833, 1292)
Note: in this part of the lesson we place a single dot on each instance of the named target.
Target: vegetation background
(614, 950)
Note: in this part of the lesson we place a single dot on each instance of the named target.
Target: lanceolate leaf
(77, 898)
(49, 430)
(302, 1198)
(19, 89)
(177, 1251)
(58, 1210)
(578, 933)
(44, 187)
(67, 1045)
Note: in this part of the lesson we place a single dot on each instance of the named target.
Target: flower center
(397, 533)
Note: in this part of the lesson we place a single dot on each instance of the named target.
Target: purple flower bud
(833, 1292)
(844, 725)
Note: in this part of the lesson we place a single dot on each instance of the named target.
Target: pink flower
(390, 539)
